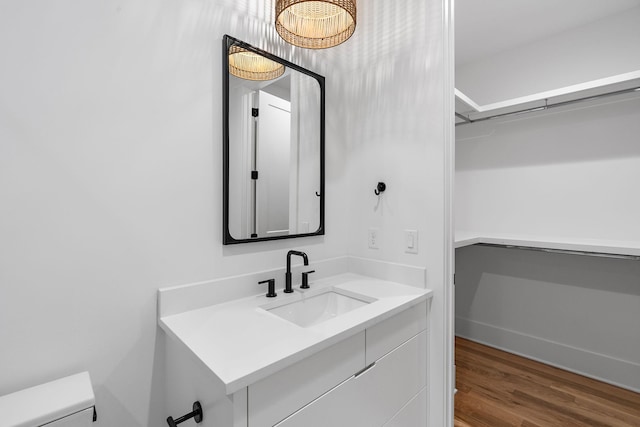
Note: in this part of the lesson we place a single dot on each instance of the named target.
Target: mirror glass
(273, 147)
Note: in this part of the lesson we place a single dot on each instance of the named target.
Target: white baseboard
(598, 366)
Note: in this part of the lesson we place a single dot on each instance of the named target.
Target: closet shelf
(468, 111)
(590, 247)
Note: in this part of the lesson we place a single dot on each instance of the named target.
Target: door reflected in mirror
(273, 147)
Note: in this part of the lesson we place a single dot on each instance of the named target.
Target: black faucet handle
(305, 279)
(272, 287)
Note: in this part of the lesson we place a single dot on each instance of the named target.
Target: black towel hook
(380, 188)
(196, 415)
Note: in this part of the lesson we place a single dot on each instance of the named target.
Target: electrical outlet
(373, 238)
(411, 241)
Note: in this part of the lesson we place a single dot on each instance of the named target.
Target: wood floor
(498, 389)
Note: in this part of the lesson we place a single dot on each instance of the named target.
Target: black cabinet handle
(196, 414)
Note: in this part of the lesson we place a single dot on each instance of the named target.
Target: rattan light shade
(252, 66)
(315, 24)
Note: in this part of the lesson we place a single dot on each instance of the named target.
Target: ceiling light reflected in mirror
(249, 65)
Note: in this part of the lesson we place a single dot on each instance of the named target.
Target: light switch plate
(411, 241)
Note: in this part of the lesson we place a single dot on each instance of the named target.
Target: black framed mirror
(273, 146)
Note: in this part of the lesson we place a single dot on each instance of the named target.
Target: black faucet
(287, 288)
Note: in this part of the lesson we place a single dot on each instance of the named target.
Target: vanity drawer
(389, 334)
(413, 413)
(279, 395)
(374, 397)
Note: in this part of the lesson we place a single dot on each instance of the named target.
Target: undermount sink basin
(314, 309)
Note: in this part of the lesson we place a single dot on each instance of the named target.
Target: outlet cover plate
(372, 238)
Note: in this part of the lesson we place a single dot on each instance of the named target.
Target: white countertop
(568, 244)
(242, 343)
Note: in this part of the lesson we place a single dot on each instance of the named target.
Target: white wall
(305, 149)
(110, 174)
(576, 312)
(110, 181)
(394, 94)
(241, 129)
(592, 51)
(569, 173)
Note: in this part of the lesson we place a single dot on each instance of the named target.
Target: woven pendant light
(252, 66)
(315, 24)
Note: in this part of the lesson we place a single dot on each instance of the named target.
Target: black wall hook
(380, 188)
(196, 415)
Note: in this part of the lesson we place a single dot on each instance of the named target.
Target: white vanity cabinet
(386, 369)
(376, 377)
(374, 396)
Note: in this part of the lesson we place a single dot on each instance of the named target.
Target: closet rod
(563, 251)
(461, 117)
(468, 120)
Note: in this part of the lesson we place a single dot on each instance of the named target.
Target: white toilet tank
(67, 402)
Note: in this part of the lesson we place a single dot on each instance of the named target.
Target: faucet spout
(288, 289)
